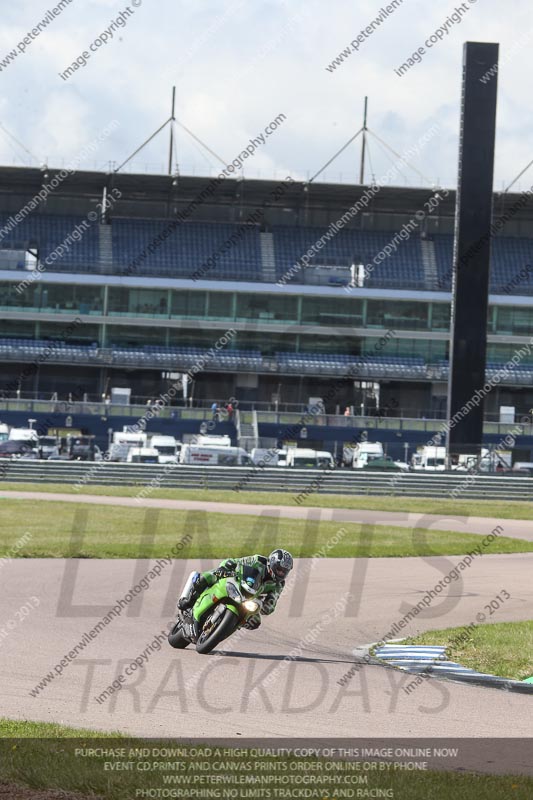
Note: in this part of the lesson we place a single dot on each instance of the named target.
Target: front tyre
(176, 638)
(222, 628)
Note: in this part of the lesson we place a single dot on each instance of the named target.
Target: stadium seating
(509, 256)
(132, 247)
(403, 267)
(45, 232)
(153, 356)
(187, 249)
(408, 367)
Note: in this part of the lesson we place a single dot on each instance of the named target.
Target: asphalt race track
(232, 692)
(250, 689)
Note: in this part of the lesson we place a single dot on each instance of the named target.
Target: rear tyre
(176, 638)
(224, 628)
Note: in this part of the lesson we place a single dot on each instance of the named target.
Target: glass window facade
(27, 299)
(332, 311)
(502, 353)
(128, 336)
(138, 302)
(220, 305)
(440, 316)
(200, 306)
(188, 304)
(428, 349)
(513, 320)
(14, 329)
(81, 334)
(267, 308)
(397, 315)
(70, 298)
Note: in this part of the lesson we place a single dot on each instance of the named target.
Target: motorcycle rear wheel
(228, 622)
(176, 638)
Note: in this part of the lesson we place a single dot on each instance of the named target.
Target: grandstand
(150, 294)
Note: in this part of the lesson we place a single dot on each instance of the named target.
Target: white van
(266, 457)
(303, 458)
(49, 447)
(282, 458)
(27, 435)
(210, 440)
(123, 442)
(143, 455)
(214, 456)
(167, 448)
(325, 459)
(365, 452)
(430, 459)
(525, 467)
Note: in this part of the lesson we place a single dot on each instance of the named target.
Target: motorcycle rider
(272, 569)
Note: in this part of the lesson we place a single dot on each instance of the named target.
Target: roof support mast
(363, 144)
(172, 121)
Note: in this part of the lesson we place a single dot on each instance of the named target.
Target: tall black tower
(473, 218)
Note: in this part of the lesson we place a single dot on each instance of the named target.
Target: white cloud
(237, 65)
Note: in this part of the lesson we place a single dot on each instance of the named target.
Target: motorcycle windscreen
(251, 580)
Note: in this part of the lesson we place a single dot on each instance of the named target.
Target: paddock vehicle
(143, 455)
(365, 452)
(430, 458)
(29, 436)
(282, 458)
(303, 458)
(218, 611)
(81, 448)
(523, 467)
(17, 449)
(214, 456)
(49, 447)
(325, 460)
(265, 457)
(384, 464)
(167, 447)
(212, 440)
(123, 442)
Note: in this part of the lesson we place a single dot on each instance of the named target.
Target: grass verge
(52, 763)
(23, 729)
(501, 648)
(55, 529)
(512, 509)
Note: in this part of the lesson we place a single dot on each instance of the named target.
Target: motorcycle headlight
(250, 606)
(232, 591)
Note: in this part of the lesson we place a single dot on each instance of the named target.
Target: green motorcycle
(218, 611)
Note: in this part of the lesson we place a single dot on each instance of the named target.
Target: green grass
(123, 532)
(501, 648)
(22, 729)
(32, 760)
(511, 509)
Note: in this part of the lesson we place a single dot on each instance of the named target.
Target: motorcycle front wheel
(223, 628)
(176, 637)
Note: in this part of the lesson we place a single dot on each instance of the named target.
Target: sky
(239, 64)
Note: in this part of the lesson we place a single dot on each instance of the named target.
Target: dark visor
(280, 572)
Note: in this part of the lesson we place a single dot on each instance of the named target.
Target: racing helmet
(280, 563)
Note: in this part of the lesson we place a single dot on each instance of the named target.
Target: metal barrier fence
(457, 485)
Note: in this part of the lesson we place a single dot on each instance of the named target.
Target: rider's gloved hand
(225, 569)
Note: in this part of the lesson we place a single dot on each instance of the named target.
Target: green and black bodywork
(236, 591)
